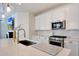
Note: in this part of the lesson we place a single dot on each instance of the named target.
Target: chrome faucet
(18, 34)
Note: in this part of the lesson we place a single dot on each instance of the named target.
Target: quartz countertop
(48, 48)
(9, 48)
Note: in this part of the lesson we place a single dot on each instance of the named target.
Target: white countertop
(9, 48)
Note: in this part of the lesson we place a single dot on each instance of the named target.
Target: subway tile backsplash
(71, 33)
(68, 33)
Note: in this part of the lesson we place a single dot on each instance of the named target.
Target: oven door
(57, 43)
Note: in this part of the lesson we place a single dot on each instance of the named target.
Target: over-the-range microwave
(59, 25)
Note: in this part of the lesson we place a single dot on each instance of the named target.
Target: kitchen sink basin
(27, 42)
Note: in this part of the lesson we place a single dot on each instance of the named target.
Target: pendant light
(8, 8)
(3, 16)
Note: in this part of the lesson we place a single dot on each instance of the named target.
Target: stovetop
(57, 36)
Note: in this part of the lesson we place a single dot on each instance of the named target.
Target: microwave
(59, 25)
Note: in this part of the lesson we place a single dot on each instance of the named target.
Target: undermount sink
(26, 42)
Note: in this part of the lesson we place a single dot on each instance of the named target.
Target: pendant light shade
(3, 16)
(8, 8)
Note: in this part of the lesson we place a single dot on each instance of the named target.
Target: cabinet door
(74, 48)
(40, 22)
(43, 22)
(37, 22)
(73, 45)
(58, 14)
(72, 16)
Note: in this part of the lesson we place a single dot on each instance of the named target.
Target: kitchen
(67, 12)
(40, 27)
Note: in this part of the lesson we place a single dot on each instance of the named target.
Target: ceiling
(34, 7)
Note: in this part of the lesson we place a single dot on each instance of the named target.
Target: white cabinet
(72, 16)
(37, 23)
(58, 14)
(69, 12)
(73, 45)
(43, 21)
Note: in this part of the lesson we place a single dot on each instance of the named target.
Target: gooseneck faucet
(21, 29)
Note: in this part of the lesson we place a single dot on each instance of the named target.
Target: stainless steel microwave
(59, 25)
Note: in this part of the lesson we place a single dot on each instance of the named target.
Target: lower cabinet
(73, 45)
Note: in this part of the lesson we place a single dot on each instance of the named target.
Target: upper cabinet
(43, 22)
(58, 14)
(68, 12)
(72, 16)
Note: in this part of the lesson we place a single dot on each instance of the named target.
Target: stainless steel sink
(26, 42)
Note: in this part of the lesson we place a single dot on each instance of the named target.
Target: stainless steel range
(57, 40)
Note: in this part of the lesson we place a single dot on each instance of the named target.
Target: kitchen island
(9, 48)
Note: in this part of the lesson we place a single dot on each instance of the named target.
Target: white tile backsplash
(68, 33)
(73, 34)
(60, 32)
